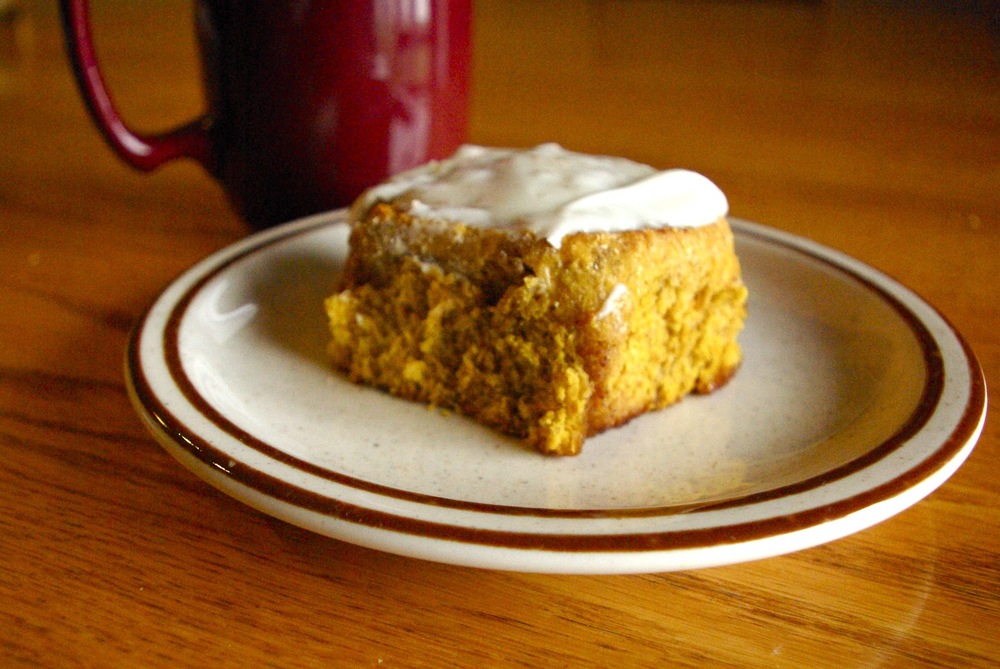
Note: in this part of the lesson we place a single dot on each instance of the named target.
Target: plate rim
(549, 551)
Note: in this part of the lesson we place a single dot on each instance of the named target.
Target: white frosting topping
(552, 192)
(613, 301)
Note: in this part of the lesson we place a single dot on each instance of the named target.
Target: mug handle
(143, 152)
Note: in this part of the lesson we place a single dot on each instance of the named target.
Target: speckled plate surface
(856, 399)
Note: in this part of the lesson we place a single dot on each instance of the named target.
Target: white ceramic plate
(855, 400)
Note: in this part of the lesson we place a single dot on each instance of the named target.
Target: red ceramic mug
(309, 102)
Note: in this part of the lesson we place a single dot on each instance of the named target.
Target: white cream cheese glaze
(552, 192)
(613, 301)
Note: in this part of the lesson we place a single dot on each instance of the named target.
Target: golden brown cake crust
(550, 345)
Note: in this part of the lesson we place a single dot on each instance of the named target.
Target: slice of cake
(549, 294)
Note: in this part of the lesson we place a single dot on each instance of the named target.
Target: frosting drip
(552, 192)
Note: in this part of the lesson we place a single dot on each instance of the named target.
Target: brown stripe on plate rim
(577, 542)
(269, 485)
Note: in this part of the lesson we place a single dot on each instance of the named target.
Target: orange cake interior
(549, 342)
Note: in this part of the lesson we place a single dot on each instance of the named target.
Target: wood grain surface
(870, 127)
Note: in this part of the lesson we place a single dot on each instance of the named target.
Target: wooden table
(874, 131)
